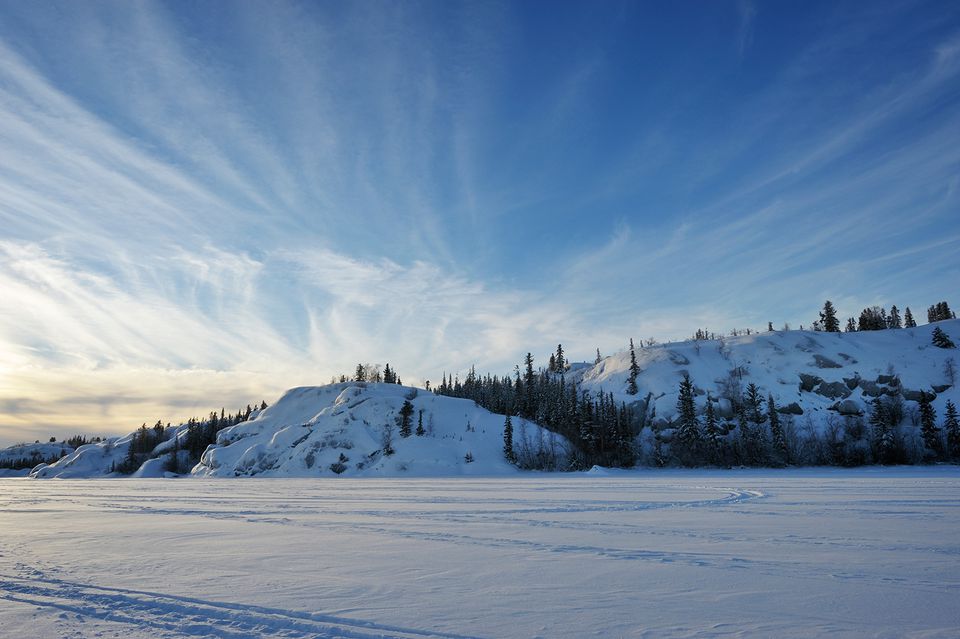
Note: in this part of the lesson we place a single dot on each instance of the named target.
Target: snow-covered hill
(340, 429)
(33, 454)
(812, 375)
(347, 429)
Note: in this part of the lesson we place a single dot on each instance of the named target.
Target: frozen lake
(795, 553)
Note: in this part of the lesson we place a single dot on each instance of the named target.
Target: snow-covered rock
(336, 430)
(813, 374)
(343, 429)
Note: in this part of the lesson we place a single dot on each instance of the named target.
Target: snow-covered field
(799, 553)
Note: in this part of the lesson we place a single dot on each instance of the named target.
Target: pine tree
(406, 411)
(928, 425)
(711, 432)
(908, 321)
(882, 431)
(634, 371)
(420, 431)
(951, 426)
(688, 426)
(893, 321)
(828, 318)
(599, 359)
(941, 339)
(560, 362)
(508, 453)
(776, 430)
(851, 325)
(361, 374)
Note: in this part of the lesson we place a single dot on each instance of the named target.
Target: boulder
(939, 388)
(848, 407)
(792, 408)
(852, 382)
(833, 390)
(809, 382)
(917, 395)
(825, 362)
(888, 380)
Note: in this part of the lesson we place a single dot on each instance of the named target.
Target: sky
(203, 204)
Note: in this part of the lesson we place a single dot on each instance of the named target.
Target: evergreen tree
(883, 442)
(893, 321)
(634, 371)
(508, 453)
(711, 431)
(828, 318)
(941, 339)
(851, 326)
(406, 411)
(361, 374)
(778, 439)
(688, 426)
(952, 428)
(940, 311)
(928, 425)
(908, 321)
(560, 362)
(420, 431)
(753, 404)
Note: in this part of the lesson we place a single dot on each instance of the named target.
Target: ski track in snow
(187, 616)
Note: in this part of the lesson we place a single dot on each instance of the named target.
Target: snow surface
(798, 553)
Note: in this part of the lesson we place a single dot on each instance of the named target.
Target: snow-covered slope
(343, 429)
(30, 453)
(813, 374)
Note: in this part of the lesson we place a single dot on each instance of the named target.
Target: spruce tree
(908, 321)
(634, 371)
(599, 359)
(406, 411)
(688, 426)
(893, 321)
(508, 453)
(711, 432)
(361, 374)
(851, 325)
(420, 431)
(952, 428)
(882, 431)
(560, 362)
(777, 436)
(828, 318)
(941, 339)
(928, 425)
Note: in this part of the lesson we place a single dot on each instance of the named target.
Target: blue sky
(207, 203)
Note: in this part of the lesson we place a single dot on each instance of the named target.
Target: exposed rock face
(940, 388)
(852, 382)
(792, 408)
(809, 382)
(825, 362)
(888, 380)
(917, 395)
(848, 407)
(833, 390)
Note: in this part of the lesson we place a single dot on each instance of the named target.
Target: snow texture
(799, 553)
